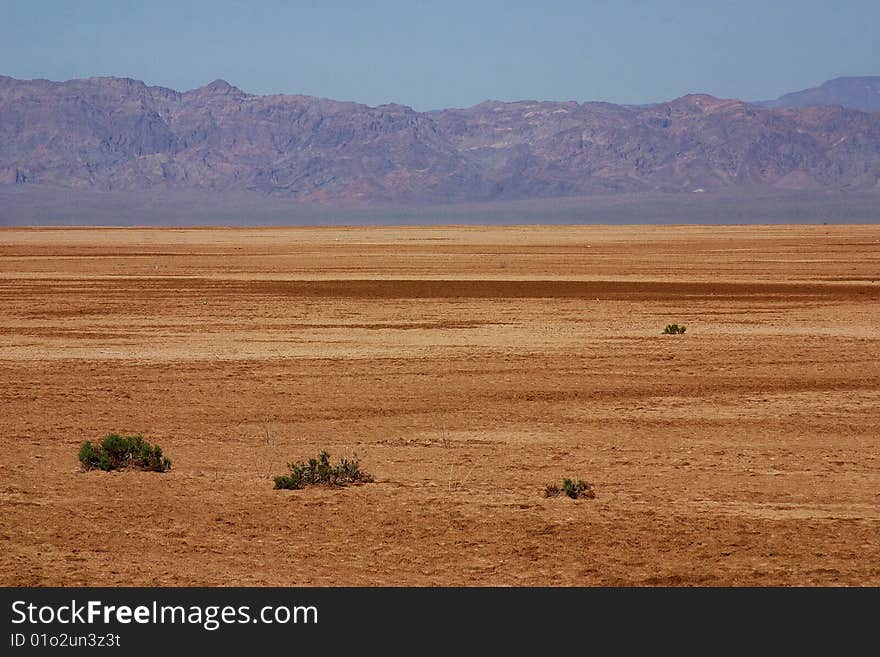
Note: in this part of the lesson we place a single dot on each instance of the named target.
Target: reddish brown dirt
(469, 368)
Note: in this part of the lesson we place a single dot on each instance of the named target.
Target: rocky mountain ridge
(121, 134)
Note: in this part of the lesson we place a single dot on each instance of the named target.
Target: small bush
(674, 329)
(573, 489)
(319, 472)
(117, 452)
(552, 491)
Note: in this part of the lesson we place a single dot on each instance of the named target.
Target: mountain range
(119, 134)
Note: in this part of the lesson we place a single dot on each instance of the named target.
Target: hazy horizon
(454, 55)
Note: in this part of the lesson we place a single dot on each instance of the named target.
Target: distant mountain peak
(219, 87)
(697, 100)
(855, 92)
(395, 107)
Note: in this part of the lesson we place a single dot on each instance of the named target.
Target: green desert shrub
(117, 452)
(320, 472)
(674, 329)
(573, 489)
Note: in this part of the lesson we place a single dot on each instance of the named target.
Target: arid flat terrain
(468, 368)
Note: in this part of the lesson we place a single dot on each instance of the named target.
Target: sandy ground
(468, 368)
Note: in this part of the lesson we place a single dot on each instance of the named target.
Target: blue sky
(448, 53)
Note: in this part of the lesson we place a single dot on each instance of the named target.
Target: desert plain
(468, 368)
